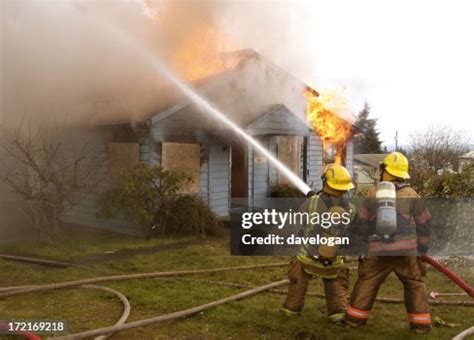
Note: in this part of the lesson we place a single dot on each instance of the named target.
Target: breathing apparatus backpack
(389, 224)
(386, 221)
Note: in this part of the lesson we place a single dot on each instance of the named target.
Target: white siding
(219, 166)
(314, 161)
(350, 157)
(261, 173)
(250, 165)
(204, 173)
(272, 171)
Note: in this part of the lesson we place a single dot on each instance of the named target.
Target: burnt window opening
(184, 158)
(334, 153)
(289, 153)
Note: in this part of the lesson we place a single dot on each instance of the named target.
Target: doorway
(238, 172)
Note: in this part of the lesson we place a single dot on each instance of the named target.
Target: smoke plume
(58, 58)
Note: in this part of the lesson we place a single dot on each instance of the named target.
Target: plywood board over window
(185, 158)
(289, 153)
(121, 157)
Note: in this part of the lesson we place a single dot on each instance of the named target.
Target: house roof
(246, 92)
(372, 160)
(190, 123)
(243, 93)
(284, 119)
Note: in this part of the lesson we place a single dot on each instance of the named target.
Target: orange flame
(323, 112)
(203, 55)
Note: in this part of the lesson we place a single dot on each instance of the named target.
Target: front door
(238, 172)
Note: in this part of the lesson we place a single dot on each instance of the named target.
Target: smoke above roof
(58, 57)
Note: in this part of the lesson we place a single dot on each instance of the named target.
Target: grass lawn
(255, 317)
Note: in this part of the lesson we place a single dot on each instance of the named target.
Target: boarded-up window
(289, 153)
(184, 158)
(121, 157)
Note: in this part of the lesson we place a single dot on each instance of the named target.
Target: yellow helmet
(337, 177)
(396, 164)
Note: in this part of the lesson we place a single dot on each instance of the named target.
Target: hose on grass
(121, 325)
(37, 288)
(182, 314)
(51, 263)
(17, 290)
(125, 304)
(173, 316)
(464, 334)
(455, 278)
(45, 262)
(321, 295)
(13, 291)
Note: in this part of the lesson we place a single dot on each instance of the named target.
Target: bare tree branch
(45, 173)
(438, 147)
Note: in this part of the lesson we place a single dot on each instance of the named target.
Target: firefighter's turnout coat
(307, 264)
(398, 254)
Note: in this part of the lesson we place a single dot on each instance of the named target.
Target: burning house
(287, 117)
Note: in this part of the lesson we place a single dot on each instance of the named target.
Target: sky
(412, 61)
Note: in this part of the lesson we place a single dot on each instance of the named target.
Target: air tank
(386, 222)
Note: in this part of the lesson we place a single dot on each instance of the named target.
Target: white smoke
(57, 58)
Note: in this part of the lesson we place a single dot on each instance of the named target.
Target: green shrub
(150, 196)
(449, 194)
(187, 215)
(443, 183)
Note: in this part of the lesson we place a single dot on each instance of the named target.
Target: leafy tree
(368, 140)
(151, 196)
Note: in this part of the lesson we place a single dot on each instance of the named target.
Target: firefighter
(396, 252)
(323, 262)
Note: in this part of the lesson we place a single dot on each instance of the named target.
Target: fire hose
(121, 321)
(120, 325)
(464, 334)
(12, 291)
(172, 316)
(41, 261)
(450, 274)
(458, 281)
(107, 331)
(380, 299)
